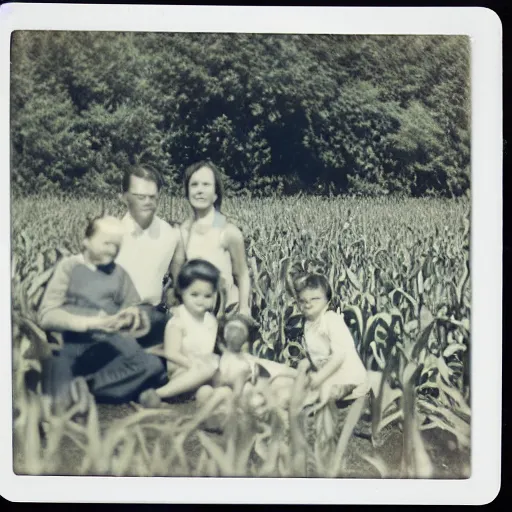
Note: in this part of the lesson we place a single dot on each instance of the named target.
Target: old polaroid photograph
(245, 253)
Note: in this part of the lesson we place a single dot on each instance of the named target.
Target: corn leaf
(353, 416)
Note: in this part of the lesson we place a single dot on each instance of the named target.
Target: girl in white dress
(210, 236)
(336, 370)
(190, 334)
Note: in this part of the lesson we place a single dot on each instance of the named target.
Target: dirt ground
(448, 462)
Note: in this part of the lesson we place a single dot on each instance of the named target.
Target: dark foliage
(365, 115)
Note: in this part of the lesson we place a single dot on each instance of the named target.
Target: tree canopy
(288, 113)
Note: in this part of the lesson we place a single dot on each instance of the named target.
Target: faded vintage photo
(241, 254)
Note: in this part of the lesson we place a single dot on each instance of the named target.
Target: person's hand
(130, 319)
(101, 322)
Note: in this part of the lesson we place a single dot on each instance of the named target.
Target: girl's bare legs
(204, 393)
(187, 380)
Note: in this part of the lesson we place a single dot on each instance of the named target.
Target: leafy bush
(347, 114)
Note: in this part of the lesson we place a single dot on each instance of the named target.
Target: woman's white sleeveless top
(210, 246)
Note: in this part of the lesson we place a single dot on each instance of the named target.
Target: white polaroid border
(485, 30)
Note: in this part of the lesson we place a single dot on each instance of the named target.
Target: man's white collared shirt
(146, 254)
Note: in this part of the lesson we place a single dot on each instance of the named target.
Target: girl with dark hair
(190, 334)
(210, 236)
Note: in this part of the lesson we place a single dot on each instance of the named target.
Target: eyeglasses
(306, 302)
(141, 197)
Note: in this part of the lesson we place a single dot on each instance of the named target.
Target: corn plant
(400, 275)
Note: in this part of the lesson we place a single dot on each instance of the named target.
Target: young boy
(93, 302)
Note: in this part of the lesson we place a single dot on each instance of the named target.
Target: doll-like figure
(257, 383)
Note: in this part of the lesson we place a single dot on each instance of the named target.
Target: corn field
(399, 270)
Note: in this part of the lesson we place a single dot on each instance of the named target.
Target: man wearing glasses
(148, 245)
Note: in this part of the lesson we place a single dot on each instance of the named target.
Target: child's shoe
(363, 429)
(149, 399)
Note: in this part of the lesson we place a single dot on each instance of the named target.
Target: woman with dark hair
(210, 236)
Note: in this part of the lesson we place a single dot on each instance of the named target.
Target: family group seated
(152, 313)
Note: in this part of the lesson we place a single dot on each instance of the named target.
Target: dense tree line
(331, 113)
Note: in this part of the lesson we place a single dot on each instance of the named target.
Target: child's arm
(339, 336)
(52, 316)
(172, 344)
(319, 377)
